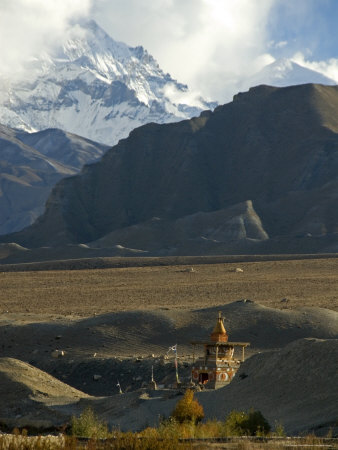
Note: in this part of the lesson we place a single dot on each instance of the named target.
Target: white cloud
(29, 27)
(212, 45)
(207, 44)
(188, 97)
(328, 68)
(281, 44)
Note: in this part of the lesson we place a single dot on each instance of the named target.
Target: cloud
(280, 44)
(29, 27)
(188, 97)
(211, 45)
(207, 44)
(328, 68)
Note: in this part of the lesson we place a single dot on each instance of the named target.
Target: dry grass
(130, 442)
(309, 282)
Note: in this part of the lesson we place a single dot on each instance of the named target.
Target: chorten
(218, 365)
(152, 383)
(219, 333)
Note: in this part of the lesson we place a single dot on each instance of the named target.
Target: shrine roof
(218, 343)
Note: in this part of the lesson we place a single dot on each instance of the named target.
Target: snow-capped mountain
(285, 72)
(97, 88)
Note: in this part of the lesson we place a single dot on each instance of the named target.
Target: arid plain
(277, 284)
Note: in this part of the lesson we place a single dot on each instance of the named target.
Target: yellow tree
(188, 409)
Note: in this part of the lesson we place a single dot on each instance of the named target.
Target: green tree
(251, 423)
(88, 425)
(188, 409)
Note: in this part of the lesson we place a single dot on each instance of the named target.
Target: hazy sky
(208, 44)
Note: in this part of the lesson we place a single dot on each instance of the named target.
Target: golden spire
(219, 333)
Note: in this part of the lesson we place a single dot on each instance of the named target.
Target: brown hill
(293, 380)
(146, 332)
(30, 397)
(142, 333)
(222, 229)
(288, 386)
(275, 147)
(296, 386)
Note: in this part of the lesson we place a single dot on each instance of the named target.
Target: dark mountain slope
(71, 149)
(31, 164)
(275, 146)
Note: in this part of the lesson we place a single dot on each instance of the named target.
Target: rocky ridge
(273, 152)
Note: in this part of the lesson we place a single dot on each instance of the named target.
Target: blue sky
(209, 44)
(212, 44)
(309, 26)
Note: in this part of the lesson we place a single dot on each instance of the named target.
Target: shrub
(279, 430)
(188, 409)
(209, 429)
(88, 425)
(251, 423)
(169, 429)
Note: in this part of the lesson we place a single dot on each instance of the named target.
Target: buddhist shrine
(219, 364)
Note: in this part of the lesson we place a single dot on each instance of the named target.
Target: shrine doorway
(203, 378)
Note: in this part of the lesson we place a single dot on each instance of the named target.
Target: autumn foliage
(188, 409)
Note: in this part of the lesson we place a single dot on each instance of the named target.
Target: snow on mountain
(101, 89)
(95, 87)
(285, 72)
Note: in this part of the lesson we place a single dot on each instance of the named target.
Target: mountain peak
(286, 72)
(95, 87)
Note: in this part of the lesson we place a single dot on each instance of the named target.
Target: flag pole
(174, 349)
(119, 386)
(176, 365)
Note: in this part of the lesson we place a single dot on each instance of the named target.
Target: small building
(219, 363)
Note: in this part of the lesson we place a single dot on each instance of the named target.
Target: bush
(279, 430)
(251, 423)
(88, 425)
(188, 409)
(209, 429)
